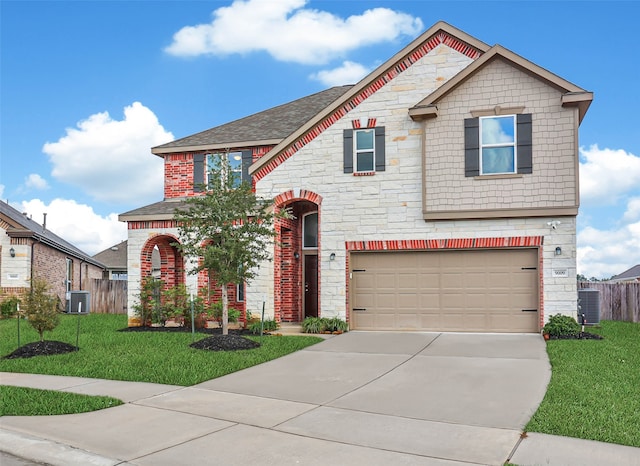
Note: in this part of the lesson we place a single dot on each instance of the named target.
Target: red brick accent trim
(151, 225)
(364, 173)
(306, 138)
(289, 196)
(357, 124)
(455, 243)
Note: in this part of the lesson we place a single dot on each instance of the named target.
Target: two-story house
(438, 193)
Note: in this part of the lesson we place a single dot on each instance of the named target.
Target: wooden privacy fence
(108, 296)
(618, 301)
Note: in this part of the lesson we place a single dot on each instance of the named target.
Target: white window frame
(513, 144)
(357, 151)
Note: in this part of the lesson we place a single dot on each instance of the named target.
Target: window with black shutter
(364, 150)
(496, 145)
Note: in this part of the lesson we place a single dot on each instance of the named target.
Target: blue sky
(87, 87)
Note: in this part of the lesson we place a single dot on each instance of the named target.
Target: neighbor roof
(632, 273)
(21, 226)
(114, 257)
(268, 127)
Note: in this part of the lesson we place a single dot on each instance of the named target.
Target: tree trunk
(225, 310)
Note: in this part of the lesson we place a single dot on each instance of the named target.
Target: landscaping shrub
(266, 326)
(42, 308)
(560, 325)
(324, 324)
(8, 307)
(215, 312)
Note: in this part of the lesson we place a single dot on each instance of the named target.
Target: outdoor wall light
(296, 255)
(12, 252)
(332, 256)
(558, 251)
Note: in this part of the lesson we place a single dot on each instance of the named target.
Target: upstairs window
(233, 164)
(498, 145)
(238, 163)
(364, 150)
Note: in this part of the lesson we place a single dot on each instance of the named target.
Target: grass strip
(594, 391)
(22, 401)
(156, 357)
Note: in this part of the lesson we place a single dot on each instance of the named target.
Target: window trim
(513, 144)
(472, 153)
(379, 150)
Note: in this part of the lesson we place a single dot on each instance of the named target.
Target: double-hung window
(364, 150)
(498, 145)
(235, 163)
(229, 164)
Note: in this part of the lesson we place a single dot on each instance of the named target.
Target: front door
(311, 285)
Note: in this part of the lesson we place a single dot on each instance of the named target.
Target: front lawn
(594, 391)
(22, 401)
(157, 357)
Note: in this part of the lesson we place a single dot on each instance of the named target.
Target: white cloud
(633, 210)
(604, 253)
(110, 159)
(348, 73)
(607, 174)
(289, 32)
(35, 181)
(77, 223)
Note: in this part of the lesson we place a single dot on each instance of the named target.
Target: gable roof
(632, 273)
(573, 95)
(439, 33)
(268, 127)
(21, 226)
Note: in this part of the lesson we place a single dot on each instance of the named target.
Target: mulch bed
(41, 348)
(577, 336)
(234, 341)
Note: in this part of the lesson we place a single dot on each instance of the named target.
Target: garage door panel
(479, 290)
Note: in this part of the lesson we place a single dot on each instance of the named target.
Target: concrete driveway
(360, 398)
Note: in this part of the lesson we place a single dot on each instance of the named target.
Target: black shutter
(247, 160)
(525, 157)
(471, 147)
(348, 150)
(380, 149)
(198, 173)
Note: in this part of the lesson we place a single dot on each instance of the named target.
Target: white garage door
(492, 290)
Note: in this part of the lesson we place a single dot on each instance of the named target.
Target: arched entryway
(296, 266)
(159, 258)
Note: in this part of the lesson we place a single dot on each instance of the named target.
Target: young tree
(228, 228)
(42, 308)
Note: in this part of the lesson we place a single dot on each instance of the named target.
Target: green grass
(156, 357)
(21, 401)
(594, 391)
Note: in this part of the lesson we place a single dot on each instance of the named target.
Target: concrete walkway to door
(370, 398)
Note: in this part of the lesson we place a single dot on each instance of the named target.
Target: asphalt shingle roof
(31, 228)
(273, 124)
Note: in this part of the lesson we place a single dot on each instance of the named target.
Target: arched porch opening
(296, 265)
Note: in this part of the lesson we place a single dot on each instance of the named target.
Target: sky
(88, 87)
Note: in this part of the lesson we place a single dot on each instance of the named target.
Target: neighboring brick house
(439, 193)
(28, 250)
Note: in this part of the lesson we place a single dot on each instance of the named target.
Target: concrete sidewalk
(360, 398)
